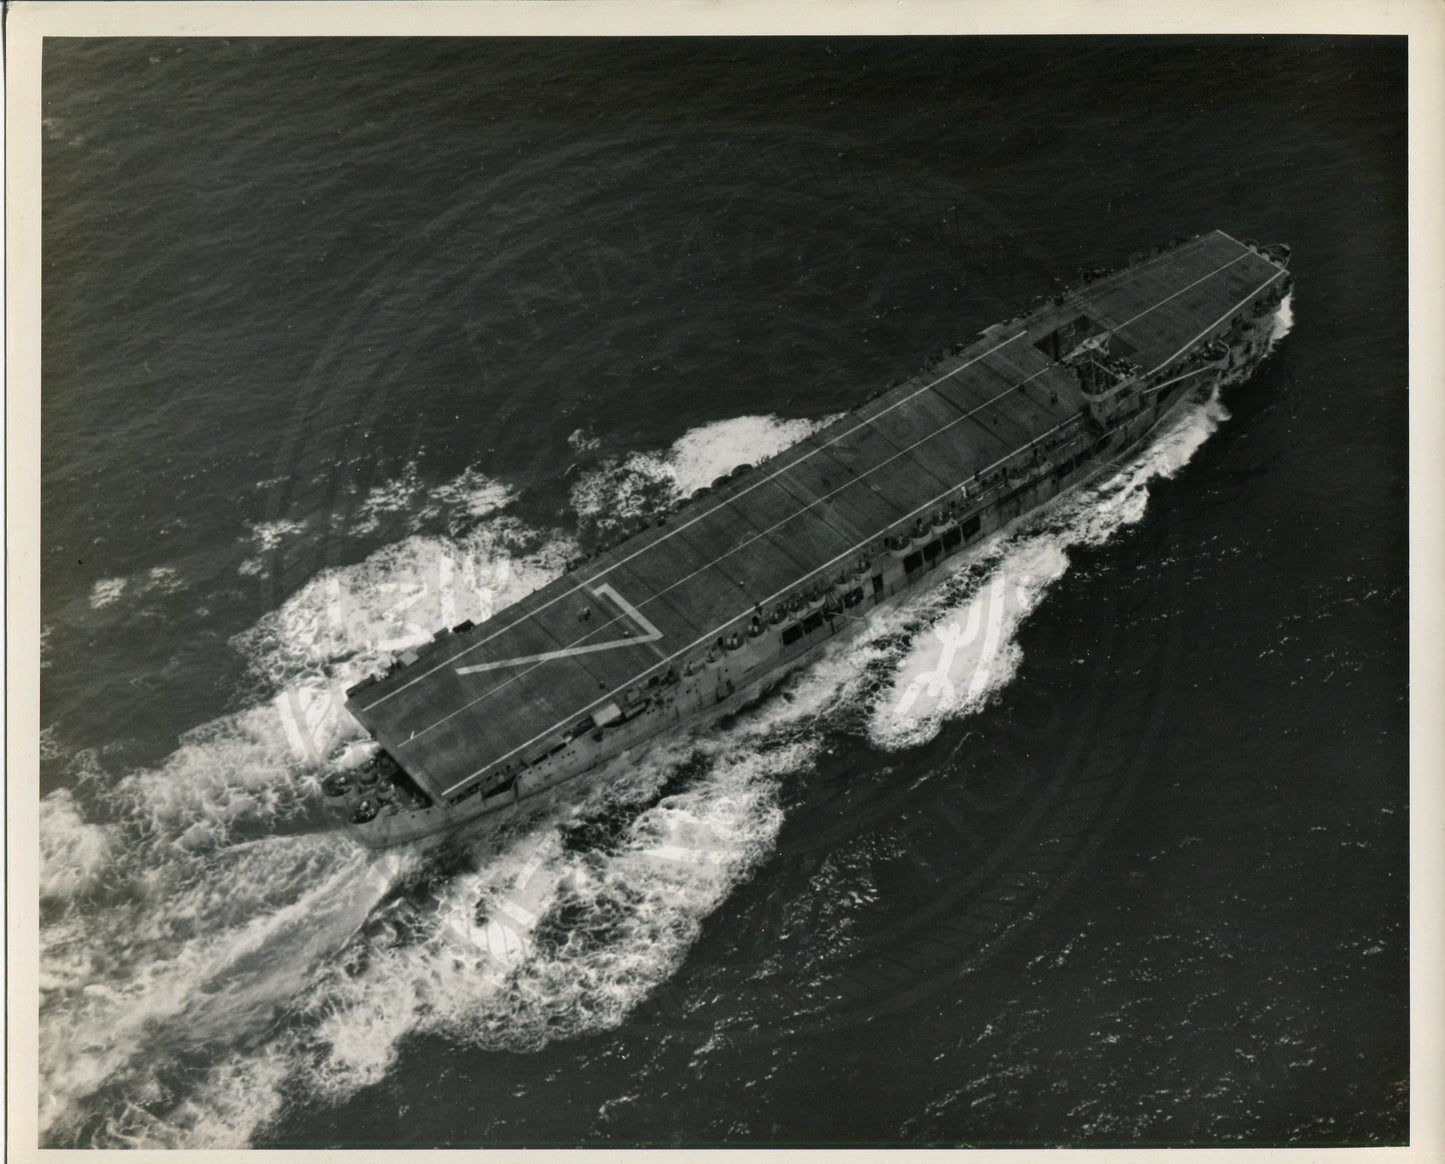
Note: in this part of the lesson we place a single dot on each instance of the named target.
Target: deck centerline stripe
(696, 518)
(764, 480)
(1162, 302)
(490, 692)
(1216, 323)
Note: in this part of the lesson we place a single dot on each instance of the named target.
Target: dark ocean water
(345, 340)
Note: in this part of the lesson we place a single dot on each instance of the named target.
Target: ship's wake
(211, 944)
(962, 648)
(296, 966)
(213, 954)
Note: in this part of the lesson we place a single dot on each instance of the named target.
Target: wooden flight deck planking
(671, 589)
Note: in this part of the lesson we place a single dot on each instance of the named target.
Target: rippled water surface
(1100, 841)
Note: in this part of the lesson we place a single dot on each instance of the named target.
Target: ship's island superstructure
(751, 577)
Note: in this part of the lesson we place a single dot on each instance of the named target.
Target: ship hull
(688, 621)
(551, 782)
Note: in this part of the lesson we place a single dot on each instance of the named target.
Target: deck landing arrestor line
(650, 634)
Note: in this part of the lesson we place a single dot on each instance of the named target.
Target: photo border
(28, 22)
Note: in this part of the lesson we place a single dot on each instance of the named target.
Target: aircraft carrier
(751, 577)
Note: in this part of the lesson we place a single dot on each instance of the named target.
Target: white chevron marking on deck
(651, 635)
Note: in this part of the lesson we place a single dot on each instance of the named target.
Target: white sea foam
(967, 655)
(583, 441)
(239, 772)
(268, 535)
(473, 495)
(541, 943)
(202, 950)
(702, 454)
(156, 580)
(969, 651)
(50, 745)
(165, 579)
(73, 853)
(106, 591)
(266, 538)
(206, 934)
(1283, 320)
(58, 129)
(641, 484)
(409, 502)
(236, 1097)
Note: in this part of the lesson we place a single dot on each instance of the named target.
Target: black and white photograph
(819, 589)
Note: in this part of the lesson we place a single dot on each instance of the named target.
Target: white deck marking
(1135, 319)
(742, 545)
(651, 635)
(1217, 322)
